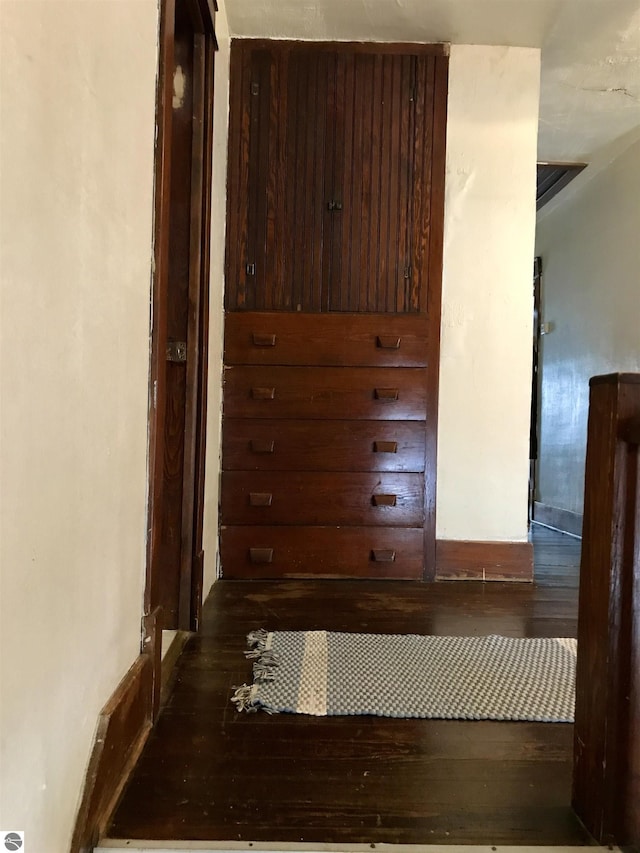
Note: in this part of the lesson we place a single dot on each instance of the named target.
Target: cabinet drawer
(382, 340)
(321, 552)
(305, 445)
(325, 392)
(321, 498)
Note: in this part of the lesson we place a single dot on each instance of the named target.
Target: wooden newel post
(606, 773)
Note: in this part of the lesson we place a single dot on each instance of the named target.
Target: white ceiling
(590, 86)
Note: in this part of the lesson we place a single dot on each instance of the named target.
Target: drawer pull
(385, 446)
(260, 445)
(260, 498)
(383, 556)
(388, 342)
(263, 393)
(389, 394)
(263, 340)
(383, 500)
(261, 555)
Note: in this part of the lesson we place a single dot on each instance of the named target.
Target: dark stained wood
(193, 379)
(321, 552)
(123, 727)
(327, 148)
(157, 375)
(373, 47)
(325, 393)
(322, 445)
(210, 773)
(486, 561)
(181, 315)
(606, 781)
(350, 340)
(336, 204)
(321, 497)
(434, 299)
(152, 646)
(203, 335)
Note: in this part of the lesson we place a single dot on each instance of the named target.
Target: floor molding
(563, 520)
(123, 727)
(484, 561)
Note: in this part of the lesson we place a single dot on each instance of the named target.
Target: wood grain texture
(325, 393)
(321, 552)
(354, 127)
(486, 561)
(159, 285)
(350, 340)
(123, 727)
(360, 780)
(434, 301)
(304, 497)
(321, 445)
(606, 781)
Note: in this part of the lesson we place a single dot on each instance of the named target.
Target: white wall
(590, 248)
(77, 123)
(485, 367)
(216, 316)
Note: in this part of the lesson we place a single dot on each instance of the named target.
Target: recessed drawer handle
(261, 555)
(263, 340)
(388, 342)
(383, 500)
(389, 394)
(385, 446)
(260, 445)
(383, 556)
(260, 498)
(263, 393)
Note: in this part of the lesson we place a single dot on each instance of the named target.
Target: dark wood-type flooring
(210, 773)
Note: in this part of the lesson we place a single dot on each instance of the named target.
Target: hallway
(210, 773)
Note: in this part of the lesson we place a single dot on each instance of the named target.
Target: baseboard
(484, 561)
(169, 660)
(123, 727)
(559, 519)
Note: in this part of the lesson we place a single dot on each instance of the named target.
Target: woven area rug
(407, 675)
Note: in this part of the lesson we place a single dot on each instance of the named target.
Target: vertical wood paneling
(422, 152)
(344, 125)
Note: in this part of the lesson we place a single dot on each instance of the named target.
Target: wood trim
(557, 518)
(434, 310)
(169, 660)
(198, 194)
(415, 48)
(152, 646)
(159, 289)
(606, 775)
(484, 561)
(123, 727)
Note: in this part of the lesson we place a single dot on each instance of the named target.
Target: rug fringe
(264, 665)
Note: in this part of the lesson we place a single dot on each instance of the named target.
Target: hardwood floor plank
(209, 773)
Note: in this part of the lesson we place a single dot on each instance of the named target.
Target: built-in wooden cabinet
(333, 269)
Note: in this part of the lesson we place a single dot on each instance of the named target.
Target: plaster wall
(77, 145)
(485, 362)
(591, 295)
(216, 296)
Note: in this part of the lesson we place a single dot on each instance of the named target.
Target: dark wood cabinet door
(330, 178)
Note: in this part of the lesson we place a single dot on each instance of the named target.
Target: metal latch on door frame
(177, 351)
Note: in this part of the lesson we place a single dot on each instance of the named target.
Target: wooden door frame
(202, 15)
